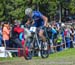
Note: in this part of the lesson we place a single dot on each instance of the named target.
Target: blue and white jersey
(37, 17)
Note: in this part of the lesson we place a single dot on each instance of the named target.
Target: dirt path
(22, 61)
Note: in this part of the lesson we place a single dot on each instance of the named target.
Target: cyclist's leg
(44, 45)
(41, 34)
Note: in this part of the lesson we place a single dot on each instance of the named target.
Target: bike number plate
(33, 29)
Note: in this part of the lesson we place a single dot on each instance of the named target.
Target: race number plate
(33, 29)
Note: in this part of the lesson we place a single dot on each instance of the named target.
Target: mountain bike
(35, 43)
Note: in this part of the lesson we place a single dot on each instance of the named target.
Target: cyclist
(39, 20)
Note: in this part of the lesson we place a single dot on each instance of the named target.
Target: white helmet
(28, 11)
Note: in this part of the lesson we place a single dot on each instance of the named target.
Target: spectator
(67, 33)
(0, 35)
(16, 30)
(59, 41)
(6, 34)
(21, 35)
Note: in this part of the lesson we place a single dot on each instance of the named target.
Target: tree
(1, 10)
(72, 6)
(16, 8)
(47, 7)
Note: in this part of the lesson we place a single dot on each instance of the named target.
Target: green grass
(7, 59)
(64, 53)
(63, 56)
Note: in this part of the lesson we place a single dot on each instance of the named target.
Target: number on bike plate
(33, 29)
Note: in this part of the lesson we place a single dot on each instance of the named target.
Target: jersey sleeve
(40, 14)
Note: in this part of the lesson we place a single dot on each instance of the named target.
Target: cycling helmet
(28, 11)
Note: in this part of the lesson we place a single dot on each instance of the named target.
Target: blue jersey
(37, 17)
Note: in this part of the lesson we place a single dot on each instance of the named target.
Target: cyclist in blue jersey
(39, 20)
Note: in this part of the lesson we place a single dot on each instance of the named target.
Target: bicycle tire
(27, 51)
(44, 53)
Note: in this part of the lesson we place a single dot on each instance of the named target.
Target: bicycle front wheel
(28, 50)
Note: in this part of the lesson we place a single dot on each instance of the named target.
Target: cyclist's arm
(45, 20)
(33, 22)
(28, 22)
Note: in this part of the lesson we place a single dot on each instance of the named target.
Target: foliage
(72, 6)
(15, 8)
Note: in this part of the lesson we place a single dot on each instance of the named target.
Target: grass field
(66, 57)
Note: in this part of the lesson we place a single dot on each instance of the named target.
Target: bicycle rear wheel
(44, 50)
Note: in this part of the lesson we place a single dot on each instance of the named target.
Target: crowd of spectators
(13, 35)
